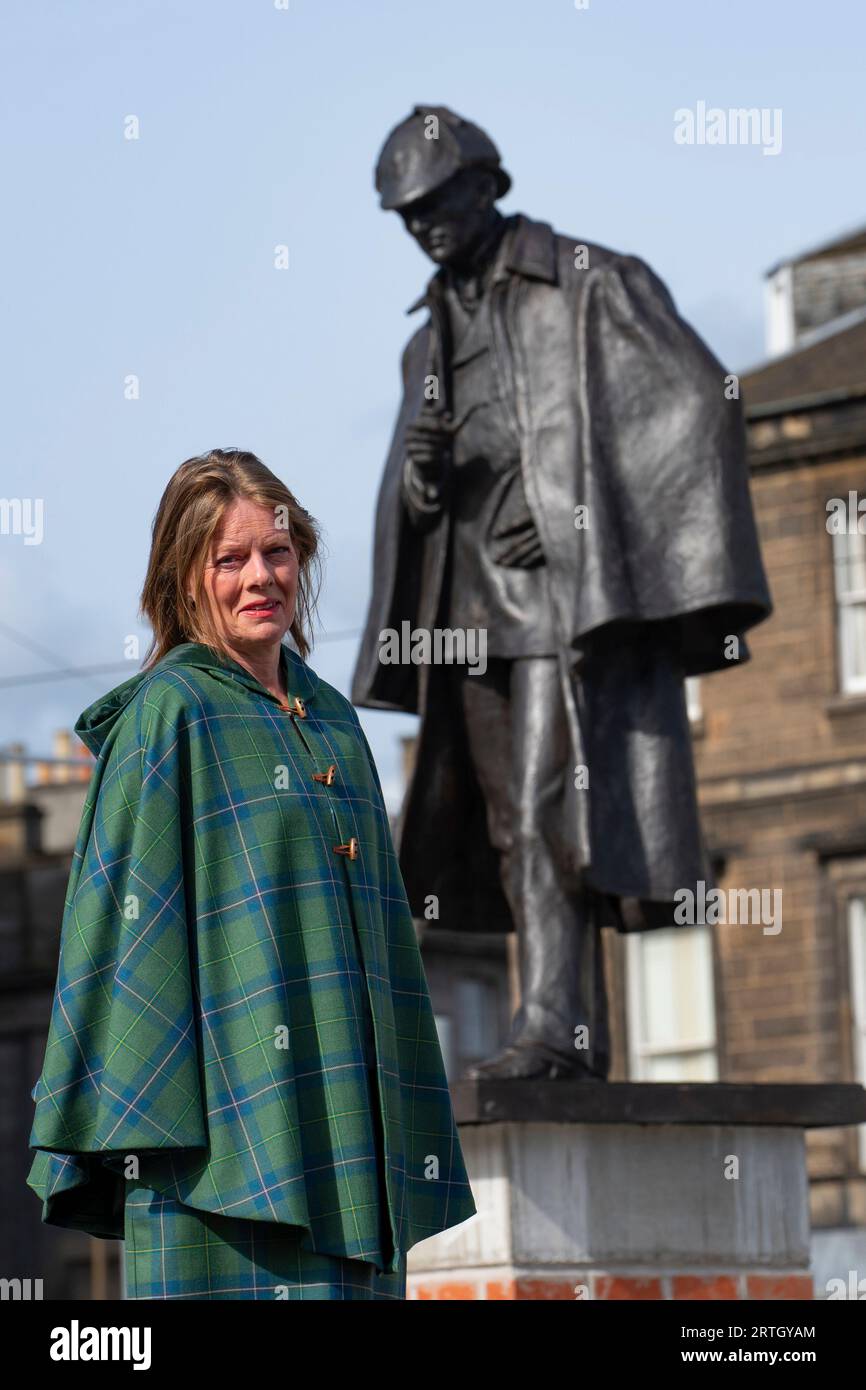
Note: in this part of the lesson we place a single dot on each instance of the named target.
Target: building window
(693, 698)
(469, 1030)
(857, 976)
(476, 1004)
(670, 1005)
(849, 571)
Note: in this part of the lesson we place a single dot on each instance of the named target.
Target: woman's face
(251, 576)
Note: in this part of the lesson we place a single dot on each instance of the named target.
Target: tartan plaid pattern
(173, 1251)
(238, 1005)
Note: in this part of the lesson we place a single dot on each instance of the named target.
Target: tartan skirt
(175, 1251)
(172, 1250)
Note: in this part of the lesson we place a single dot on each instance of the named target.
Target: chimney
(780, 332)
(63, 749)
(12, 783)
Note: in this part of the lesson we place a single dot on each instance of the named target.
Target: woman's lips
(263, 610)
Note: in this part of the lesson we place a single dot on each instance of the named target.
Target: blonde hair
(186, 520)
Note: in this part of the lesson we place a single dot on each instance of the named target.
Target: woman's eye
(225, 560)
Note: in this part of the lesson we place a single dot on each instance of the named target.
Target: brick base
(583, 1285)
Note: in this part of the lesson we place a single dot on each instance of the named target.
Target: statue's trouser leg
(563, 996)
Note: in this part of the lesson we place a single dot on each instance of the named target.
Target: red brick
(777, 1286)
(610, 1286)
(705, 1286)
(545, 1289)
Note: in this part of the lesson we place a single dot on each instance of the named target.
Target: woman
(242, 1076)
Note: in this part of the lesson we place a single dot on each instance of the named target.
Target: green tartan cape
(207, 1016)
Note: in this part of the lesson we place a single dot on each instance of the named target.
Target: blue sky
(260, 126)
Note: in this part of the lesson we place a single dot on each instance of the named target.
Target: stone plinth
(636, 1191)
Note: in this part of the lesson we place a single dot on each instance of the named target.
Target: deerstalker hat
(427, 148)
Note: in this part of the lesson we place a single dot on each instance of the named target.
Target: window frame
(638, 1050)
(843, 602)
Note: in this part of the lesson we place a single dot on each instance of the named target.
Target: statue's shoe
(530, 1060)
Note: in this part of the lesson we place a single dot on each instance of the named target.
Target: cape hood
(96, 722)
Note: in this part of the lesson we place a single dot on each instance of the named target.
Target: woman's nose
(258, 569)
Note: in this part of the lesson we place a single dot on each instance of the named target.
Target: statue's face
(449, 221)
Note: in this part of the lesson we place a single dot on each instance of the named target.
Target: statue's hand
(514, 541)
(428, 445)
(522, 550)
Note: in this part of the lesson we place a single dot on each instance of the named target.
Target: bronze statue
(567, 475)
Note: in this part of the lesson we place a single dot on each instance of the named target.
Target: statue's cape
(633, 461)
(207, 1018)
